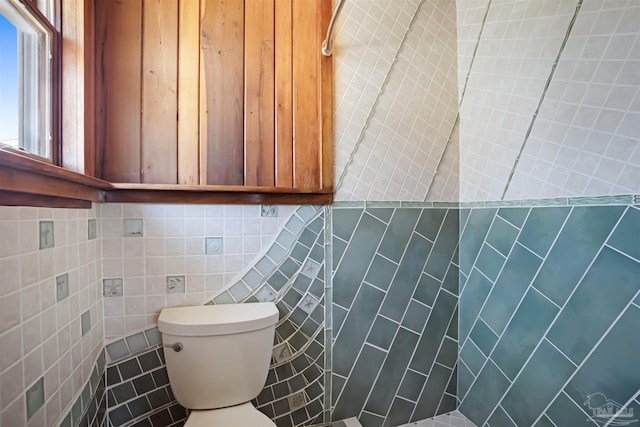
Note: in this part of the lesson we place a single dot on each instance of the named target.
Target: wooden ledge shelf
(214, 194)
(26, 181)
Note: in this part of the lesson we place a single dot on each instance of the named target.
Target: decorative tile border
(627, 199)
(90, 407)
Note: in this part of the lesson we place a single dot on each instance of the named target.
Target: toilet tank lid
(223, 319)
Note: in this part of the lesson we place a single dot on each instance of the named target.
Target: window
(28, 92)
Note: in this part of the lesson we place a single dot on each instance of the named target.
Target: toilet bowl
(217, 358)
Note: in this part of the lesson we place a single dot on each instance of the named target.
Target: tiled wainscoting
(291, 273)
(395, 291)
(549, 314)
(548, 302)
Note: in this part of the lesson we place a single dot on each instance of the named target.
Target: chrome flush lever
(177, 347)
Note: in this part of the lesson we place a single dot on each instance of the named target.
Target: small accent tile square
(268, 211)
(92, 229)
(113, 287)
(213, 245)
(175, 284)
(47, 237)
(85, 321)
(35, 397)
(62, 287)
(133, 227)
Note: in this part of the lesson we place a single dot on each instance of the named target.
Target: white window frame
(35, 79)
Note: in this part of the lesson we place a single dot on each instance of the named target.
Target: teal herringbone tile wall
(395, 284)
(549, 311)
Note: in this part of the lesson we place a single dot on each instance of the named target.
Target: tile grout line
(383, 86)
(627, 403)
(464, 90)
(541, 100)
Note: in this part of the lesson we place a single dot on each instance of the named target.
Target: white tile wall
(404, 136)
(39, 335)
(518, 45)
(586, 138)
(173, 243)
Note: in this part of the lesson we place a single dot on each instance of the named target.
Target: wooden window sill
(25, 181)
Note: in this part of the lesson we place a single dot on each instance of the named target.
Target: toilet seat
(243, 415)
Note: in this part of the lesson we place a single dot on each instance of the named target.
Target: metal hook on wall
(326, 44)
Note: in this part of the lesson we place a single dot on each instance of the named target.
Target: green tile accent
(47, 234)
(416, 204)
(355, 328)
(416, 316)
(427, 290)
(444, 246)
(524, 332)
(224, 298)
(345, 221)
(383, 214)
(435, 330)
(448, 354)
(381, 272)
(406, 279)
(382, 332)
(451, 279)
(427, 405)
(360, 382)
(500, 419)
(412, 385)
(400, 412)
(465, 379)
(359, 254)
(490, 262)
(510, 288)
(612, 369)
(85, 322)
(377, 204)
(446, 204)
(564, 412)
(35, 397)
(391, 373)
(473, 297)
(473, 235)
(545, 202)
(544, 422)
(397, 235)
(339, 246)
(471, 355)
(430, 222)
(541, 228)
(502, 235)
(542, 377)
(483, 337)
(479, 204)
(515, 216)
(117, 350)
(502, 203)
(575, 249)
(625, 236)
(607, 288)
(348, 204)
(602, 200)
(485, 394)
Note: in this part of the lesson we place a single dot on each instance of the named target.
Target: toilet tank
(224, 352)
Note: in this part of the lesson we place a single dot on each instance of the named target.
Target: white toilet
(218, 358)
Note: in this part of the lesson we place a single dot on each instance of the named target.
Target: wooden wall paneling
(159, 92)
(118, 33)
(72, 85)
(283, 94)
(222, 96)
(259, 83)
(326, 103)
(306, 96)
(89, 90)
(188, 91)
